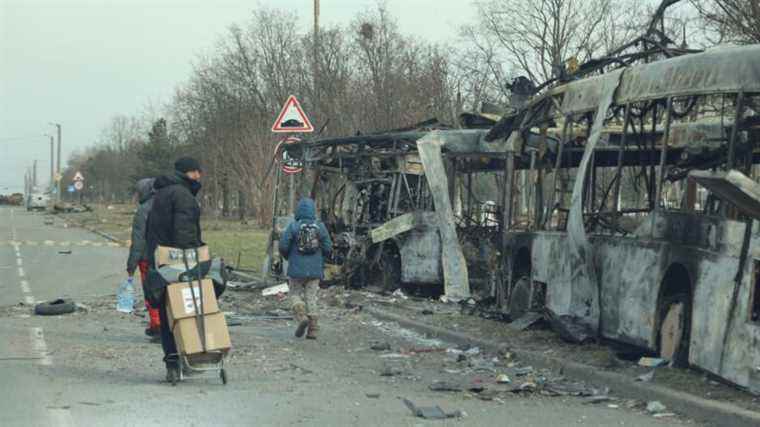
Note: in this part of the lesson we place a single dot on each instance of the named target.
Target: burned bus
(387, 201)
(642, 224)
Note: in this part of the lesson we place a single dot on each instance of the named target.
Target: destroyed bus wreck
(620, 238)
(387, 201)
(585, 203)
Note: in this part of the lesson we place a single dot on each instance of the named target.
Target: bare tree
(736, 21)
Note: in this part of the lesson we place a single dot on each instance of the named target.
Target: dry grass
(228, 239)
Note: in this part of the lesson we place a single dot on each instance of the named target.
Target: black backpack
(307, 238)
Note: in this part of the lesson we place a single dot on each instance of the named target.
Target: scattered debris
(526, 321)
(380, 346)
(648, 377)
(520, 372)
(427, 350)
(55, 307)
(282, 288)
(432, 412)
(655, 407)
(445, 386)
(400, 294)
(529, 386)
(570, 328)
(472, 351)
(428, 312)
(389, 371)
(652, 362)
(596, 399)
(65, 252)
(394, 356)
(664, 415)
(373, 395)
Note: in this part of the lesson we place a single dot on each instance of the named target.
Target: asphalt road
(96, 368)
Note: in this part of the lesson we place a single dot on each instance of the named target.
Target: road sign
(292, 118)
(79, 185)
(78, 176)
(71, 189)
(290, 165)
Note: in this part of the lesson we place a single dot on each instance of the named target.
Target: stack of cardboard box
(189, 326)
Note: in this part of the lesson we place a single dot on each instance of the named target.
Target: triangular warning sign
(292, 118)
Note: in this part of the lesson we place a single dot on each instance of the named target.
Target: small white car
(37, 201)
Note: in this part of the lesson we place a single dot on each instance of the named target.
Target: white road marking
(29, 300)
(40, 347)
(25, 287)
(19, 262)
(21, 272)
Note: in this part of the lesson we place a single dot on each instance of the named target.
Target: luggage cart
(213, 362)
(208, 361)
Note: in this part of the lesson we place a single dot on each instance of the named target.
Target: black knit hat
(187, 164)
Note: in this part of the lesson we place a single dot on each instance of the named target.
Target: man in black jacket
(175, 221)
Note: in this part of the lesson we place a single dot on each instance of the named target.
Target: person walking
(138, 253)
(174, 221)
(305, 244)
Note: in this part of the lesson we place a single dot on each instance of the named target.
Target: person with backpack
(138, 251)
(305, 244)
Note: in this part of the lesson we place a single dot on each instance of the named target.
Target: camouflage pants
(304, 291)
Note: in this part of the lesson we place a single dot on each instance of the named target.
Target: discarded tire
(55, 307)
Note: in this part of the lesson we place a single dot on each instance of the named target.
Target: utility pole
(58, 161)
(34, 175)
(316, 53)
(52, 162)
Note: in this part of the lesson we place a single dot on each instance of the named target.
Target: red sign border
(292, 100)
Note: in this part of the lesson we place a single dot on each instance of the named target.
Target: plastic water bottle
(125, 300)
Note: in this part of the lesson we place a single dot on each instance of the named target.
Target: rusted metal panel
(584, 280)
(394, 227)
(455, 277)
(420, 256)
(718, 70)
(733, 186)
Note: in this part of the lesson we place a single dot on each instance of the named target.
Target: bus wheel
(387, 271)
(519, 300)
(674, 330)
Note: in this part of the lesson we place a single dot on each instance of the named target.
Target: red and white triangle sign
(292, 118)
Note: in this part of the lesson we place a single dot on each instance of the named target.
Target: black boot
(172, 370)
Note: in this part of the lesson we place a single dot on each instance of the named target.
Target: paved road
(96, 368)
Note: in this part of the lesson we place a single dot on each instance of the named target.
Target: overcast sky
(80, 62)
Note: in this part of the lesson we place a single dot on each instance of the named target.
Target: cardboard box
(179, 300)
(172, 256)
(187, 334)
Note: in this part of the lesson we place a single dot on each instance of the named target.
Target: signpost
(290, 165)
(292, 119)
(78, 185)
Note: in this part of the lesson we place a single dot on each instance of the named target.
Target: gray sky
(80, 62)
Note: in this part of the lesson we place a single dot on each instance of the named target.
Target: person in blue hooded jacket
(305, 244)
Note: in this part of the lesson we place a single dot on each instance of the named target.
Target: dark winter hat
(187, 164)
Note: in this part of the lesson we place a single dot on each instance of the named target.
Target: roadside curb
(710, 411)
(92, 230)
